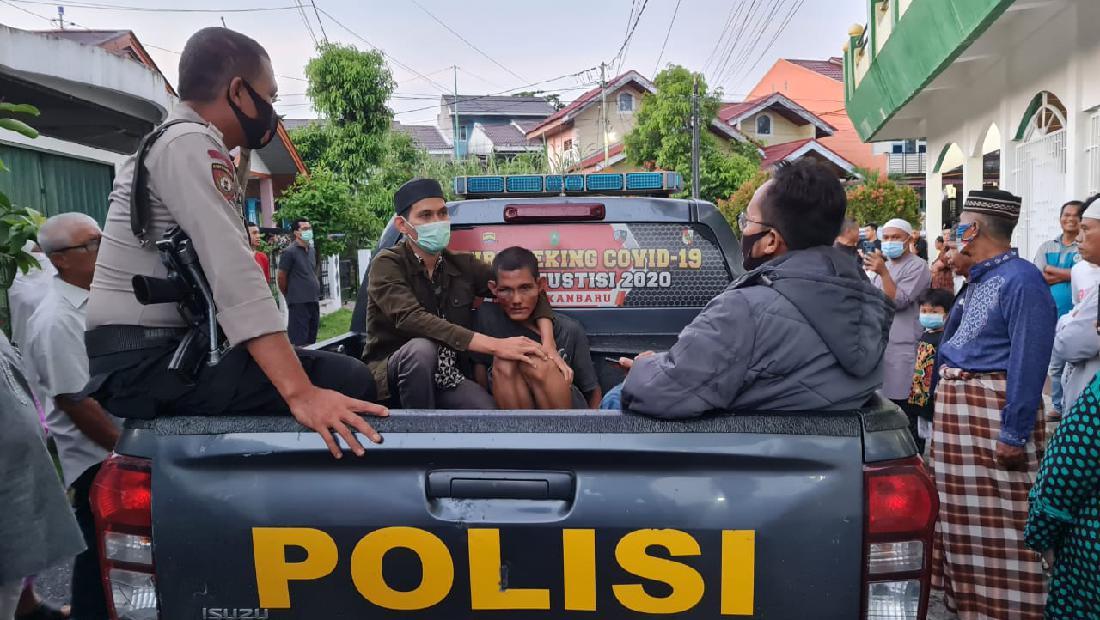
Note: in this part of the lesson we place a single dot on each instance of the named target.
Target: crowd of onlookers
(828, 314)
(1019, 527)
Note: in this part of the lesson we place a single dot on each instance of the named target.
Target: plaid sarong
(979, 557)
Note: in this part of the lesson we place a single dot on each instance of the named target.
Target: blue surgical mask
(307, 236)
(434, 237)
(893, 249)
(931, 320)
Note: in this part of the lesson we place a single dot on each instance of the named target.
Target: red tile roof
(779, 103)
(737, 109)
(593, 160)
(832, 68)
(778, 152)
(587, 97)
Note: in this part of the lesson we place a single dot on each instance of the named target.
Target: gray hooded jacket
(805, 332)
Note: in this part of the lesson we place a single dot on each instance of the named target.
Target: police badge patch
(221, 168)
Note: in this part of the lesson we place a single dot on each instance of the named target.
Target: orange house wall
(824, 97)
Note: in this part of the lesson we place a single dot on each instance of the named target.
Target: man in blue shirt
(987, 435)
(1055, 259)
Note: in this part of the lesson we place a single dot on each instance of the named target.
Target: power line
(464, 40)
(775, 36)
(734, 9)
(39, 15)
(667, 33)
(318, 16)
(621, 55)
(505, 92)
(746, 24)
(761, 27)
(96, 6)
(381, 51)
(305, 20)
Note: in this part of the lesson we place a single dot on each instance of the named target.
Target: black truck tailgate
(540, 515)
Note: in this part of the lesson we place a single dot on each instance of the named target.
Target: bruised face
(517, 292)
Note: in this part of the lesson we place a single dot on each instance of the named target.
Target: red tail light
(901, 508)
(545, 212)
(121, 501)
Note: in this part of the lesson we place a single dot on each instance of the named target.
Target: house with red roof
(818, 87)
(785, 131)
(572, 135)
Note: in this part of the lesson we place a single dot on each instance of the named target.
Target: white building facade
(976, 77)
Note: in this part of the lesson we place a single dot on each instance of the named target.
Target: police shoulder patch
(221, 169)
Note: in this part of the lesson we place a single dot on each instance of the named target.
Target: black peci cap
(414, 191)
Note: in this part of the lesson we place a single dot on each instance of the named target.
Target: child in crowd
(934, 305)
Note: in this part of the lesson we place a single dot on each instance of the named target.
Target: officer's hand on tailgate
(325, 411)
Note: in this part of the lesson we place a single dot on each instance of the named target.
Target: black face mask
(747, 242)
(258, 132)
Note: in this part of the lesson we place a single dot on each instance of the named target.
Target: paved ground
(53, 585)
(936, 610)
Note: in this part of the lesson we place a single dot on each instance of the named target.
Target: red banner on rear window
(658, 265)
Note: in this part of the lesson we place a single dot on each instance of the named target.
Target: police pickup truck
(557, 514)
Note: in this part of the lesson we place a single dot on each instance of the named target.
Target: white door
(1041, 182)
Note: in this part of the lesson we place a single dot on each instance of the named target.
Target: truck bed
(757, 515)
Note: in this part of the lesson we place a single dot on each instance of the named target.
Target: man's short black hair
(999, 228)
(873, 225)
(1073, 203)
(806, 203)
(298, 224)
(515, 258)
(936, 297)
(214, 56)
(250, 224)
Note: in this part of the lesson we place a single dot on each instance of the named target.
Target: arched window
(763, 125)
(1045, 115)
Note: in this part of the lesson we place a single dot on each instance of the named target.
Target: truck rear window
(603, 265)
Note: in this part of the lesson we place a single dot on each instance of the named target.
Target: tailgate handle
(471, 484)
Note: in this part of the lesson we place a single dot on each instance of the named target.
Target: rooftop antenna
(60, 17)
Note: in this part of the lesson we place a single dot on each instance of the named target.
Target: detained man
(803, 330)
(516, 284)
(1076, 341)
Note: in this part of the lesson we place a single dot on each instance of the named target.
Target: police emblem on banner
(221, 169)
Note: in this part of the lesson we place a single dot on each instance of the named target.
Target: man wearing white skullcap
(903, 277)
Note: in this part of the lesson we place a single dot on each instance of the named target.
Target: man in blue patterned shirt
(987, 435)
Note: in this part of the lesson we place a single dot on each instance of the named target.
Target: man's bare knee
(505, 370)
(539, 372)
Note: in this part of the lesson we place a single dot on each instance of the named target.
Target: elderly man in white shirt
(55, 355)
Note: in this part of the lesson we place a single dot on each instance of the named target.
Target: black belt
(110, 339)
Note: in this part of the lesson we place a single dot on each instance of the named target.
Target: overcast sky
(521, 41)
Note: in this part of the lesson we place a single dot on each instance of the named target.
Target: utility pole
(695, 138)
(60, 18)
(455, 67)
(603, 111)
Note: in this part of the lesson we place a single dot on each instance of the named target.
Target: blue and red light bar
(598, 183)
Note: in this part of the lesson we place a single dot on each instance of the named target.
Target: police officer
(187, 179)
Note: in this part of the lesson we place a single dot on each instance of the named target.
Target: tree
(18, 225)
(662, 136)
(875, 198)
(732, 208)
(349, 88)
(332, 206)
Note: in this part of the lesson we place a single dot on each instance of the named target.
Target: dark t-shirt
(568, 335)
(302, 285)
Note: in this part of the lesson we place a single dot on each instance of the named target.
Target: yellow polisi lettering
(274, 573)
(487, 591)
(579, 548)
(685, 581)
(738, 569)
(438, 571)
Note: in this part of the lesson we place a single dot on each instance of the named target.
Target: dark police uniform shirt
(302, 285)
(568, 335)
(404, 303)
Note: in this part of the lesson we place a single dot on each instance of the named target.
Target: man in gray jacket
(1076, 340)
(803, 330)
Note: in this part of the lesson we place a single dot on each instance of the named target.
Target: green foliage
(661, 137)
(332, 206)
(18, 225)
(877, 199)
(553, 99)
(739, 201)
